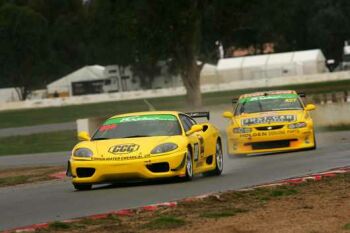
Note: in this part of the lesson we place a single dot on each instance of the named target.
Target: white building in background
(208, 75)
(271, 65)
(8, 95)
(119, 79)
(114, 78)
(90, 78)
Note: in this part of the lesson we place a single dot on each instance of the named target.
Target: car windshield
(268, 103)
(138, 126)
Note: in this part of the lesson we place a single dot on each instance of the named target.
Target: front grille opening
(209, 160)
(83, 172)
(274, 127)
(158, 167)
(270, 144)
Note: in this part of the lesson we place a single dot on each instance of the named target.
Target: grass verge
(38, 143)
(17, 118)
(308, 207)
(15, 176)
(165, 222)
(223, 213)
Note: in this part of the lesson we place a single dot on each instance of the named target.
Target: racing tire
(189, 166)
(219, 162)
(82, 187)
(315, 144)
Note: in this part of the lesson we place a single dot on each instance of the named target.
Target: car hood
(129, 146)
(271, 118)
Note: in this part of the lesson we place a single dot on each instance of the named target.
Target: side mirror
(310, 107)
(227, 115)
(84, 136)
(194, 128)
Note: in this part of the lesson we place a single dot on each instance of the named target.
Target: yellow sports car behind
(146, 145)
(267, 122)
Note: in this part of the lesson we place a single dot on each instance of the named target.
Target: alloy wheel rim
(189, 165)
(219, 157)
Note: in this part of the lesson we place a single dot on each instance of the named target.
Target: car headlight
(83, 152)
(297, 125)
(242, 130)
(162, 148)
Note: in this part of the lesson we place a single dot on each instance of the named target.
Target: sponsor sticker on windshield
(158, 117)
(256, 98)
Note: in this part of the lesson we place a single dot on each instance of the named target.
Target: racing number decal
(196, 151)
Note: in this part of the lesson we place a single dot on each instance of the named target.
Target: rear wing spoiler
(199, 115)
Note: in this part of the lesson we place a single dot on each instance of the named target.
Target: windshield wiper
(95, 139)
(136, 136)
(281, 109)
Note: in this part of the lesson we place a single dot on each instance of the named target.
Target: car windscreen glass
(268, 103)
(139, 126)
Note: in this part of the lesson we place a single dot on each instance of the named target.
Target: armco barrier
(176, 91)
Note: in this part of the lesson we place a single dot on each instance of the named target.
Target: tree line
(42, 40)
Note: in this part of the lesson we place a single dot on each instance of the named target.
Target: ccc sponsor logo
(123, 148)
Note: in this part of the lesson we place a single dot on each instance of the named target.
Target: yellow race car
(272, 121)
(146, 145)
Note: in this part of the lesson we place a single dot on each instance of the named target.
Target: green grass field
(30, 117)
(38, 143)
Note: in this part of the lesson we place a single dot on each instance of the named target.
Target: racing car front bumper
(270, 141)
(104, 171)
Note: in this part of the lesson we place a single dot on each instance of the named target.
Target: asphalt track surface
(57, 200)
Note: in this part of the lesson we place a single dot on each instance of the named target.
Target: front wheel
(219, 161)
(189, 166)
(315, 144)
(82, 187)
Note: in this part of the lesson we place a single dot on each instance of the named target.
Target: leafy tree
(176, 27)
(67, 35)
(23, 47)
(111, 32)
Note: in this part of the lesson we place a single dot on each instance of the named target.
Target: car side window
(192, 121)
(187, 122)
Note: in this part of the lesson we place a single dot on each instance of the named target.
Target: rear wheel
(315, 144)
(82, 187)
(219, 161)
(189, 166)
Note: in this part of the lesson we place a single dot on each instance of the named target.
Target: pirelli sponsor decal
(153, 117)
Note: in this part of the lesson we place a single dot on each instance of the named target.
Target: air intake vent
(85, 172)
(270, 144)
(158, 167)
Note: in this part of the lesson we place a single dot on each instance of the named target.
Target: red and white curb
(123, 212)
(154, 207)
(58, 175)
(312, 177)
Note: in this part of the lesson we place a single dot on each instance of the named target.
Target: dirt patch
(15, 176)
(311, 207)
